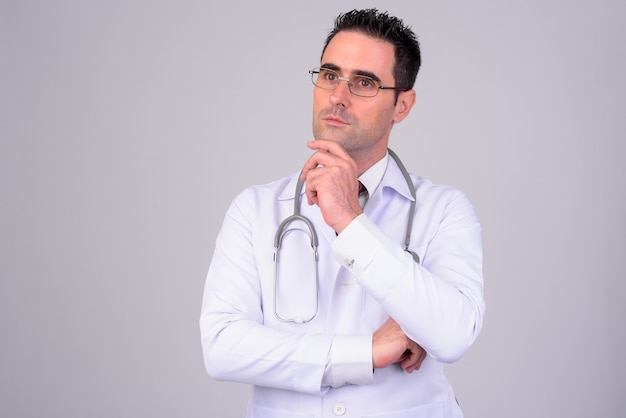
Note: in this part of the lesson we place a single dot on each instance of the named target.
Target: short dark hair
(380, 25)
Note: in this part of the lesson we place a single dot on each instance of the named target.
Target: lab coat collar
(395, 180)
(290, 188)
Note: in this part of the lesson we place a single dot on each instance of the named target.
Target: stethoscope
(297, 216)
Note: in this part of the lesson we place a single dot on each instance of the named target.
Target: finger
(328, 153)
(420, 356)
(319, 159)
(325, 159)
(331, 147)
(310, 189)
(414, 361)
(410, 362)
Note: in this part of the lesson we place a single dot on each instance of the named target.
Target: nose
(341, 95)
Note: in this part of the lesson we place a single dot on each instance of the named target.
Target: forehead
(354, 52)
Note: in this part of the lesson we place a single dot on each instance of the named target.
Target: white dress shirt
(323, 368)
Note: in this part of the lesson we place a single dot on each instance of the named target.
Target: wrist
(343, 224)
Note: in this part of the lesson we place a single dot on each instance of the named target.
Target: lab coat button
(339, 409)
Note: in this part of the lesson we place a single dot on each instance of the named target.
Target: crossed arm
(331, 177)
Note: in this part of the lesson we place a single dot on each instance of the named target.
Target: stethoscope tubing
(297, 216)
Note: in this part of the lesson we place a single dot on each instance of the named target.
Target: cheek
(319, 100)
(376, 118)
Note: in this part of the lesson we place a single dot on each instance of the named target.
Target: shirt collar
(372, 179)
(373, 176)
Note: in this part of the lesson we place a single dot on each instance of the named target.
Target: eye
(364, 83)
(328, 75)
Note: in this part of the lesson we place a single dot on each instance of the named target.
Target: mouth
(334, 120)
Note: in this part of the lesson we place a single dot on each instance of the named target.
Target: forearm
(237, 343)
(246, 352)
(441, 312)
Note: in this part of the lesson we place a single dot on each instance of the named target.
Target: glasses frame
(317, 70)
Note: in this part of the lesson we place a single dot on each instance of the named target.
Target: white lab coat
(365, 276)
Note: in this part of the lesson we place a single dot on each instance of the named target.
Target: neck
(367, 158)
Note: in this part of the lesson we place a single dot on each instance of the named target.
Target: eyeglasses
(359, 85)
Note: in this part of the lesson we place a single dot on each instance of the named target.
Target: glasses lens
(363, 86)
(359, 85)
(325, 78)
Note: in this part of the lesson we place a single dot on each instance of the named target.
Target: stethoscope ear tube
(283, 225)
(296, 217)
(314, 243)
(409, 223)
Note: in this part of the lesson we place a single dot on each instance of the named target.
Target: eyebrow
(330, 66)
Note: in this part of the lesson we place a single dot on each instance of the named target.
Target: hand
(391, 345)
(332, 183)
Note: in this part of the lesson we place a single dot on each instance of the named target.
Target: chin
(331, 135)
(341, 141)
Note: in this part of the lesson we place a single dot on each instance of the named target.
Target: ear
(405, 103)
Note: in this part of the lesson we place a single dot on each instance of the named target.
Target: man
(340, 319)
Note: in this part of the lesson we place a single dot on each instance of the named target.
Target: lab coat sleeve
(439, 303)
(236, 344)
(350, 361)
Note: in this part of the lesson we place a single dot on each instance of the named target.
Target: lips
(334, 120)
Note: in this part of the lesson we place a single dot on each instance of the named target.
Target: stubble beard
(347, 136)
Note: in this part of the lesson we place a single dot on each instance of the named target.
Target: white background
(127, 127)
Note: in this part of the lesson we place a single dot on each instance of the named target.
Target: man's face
(360, 124)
